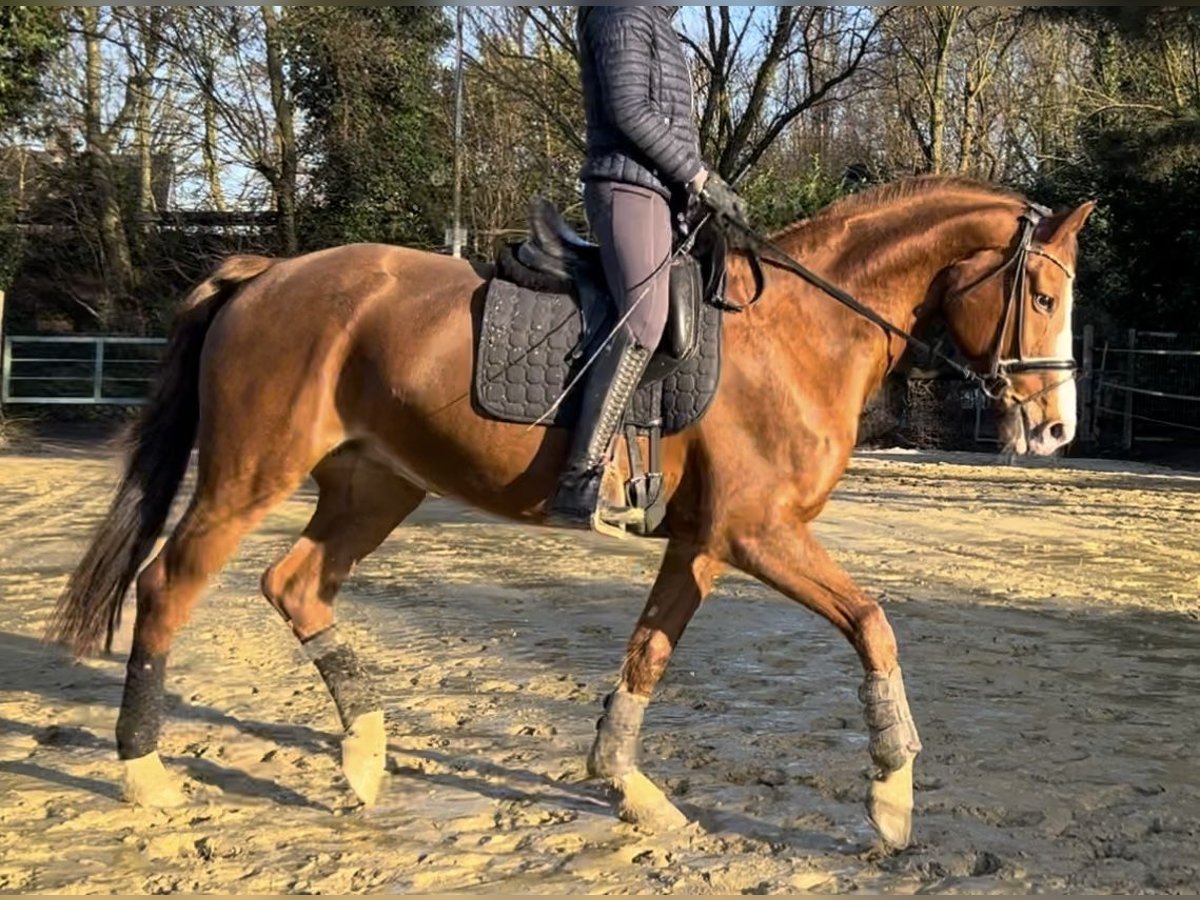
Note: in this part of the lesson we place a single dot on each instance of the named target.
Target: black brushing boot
(609, 387)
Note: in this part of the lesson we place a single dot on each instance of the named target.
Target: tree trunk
(143, 135)
(285, 135)
(140, 231)
(118, 265)
(969, 125)
(207, 76)
(947, 21)
(208, 151)
(147, 207)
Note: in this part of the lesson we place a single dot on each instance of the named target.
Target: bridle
(996, 383)
(1001, 368)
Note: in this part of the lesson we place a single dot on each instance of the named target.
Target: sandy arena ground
(1049, 619)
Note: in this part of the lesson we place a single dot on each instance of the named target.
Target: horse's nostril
(1058, 431)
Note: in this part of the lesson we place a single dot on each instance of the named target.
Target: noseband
(998, 382)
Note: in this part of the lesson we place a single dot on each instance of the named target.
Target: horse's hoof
(364, 752)
(148, 784)
(890, 805)
(641, 803)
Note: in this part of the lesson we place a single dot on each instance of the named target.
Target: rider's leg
(633, 227)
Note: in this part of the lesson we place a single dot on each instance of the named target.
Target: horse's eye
(1043, 302)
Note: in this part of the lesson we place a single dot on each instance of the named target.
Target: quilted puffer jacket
(637, 93)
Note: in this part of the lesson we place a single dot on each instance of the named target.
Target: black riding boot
(610, 384)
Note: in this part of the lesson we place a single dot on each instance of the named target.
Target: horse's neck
(889, 258)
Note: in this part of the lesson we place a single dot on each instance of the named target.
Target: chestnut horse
(354, 365)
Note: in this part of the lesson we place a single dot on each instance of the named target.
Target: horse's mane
(886, 194)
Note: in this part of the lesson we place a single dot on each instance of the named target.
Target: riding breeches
(633, 227)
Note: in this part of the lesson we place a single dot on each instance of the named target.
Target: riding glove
(717, 195)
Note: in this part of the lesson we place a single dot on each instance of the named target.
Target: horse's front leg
(684, 580)
(784, 555)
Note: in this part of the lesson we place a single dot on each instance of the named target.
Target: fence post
(1127, 437)
(1087, 393)
(98, 377)
(3, 359)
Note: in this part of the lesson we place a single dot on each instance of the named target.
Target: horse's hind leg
(683, 581)
(359, 505)
(784, 555)
(220, 514)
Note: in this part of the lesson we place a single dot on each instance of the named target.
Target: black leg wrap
(349, 683)
(142, 704)
(615, 751)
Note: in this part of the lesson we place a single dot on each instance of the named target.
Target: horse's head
(1009, 312)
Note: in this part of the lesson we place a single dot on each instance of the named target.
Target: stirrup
(603, 517)
(616, 521)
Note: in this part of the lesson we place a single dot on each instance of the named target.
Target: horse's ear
(1067, 225)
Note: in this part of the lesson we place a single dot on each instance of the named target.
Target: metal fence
(93, 370)
(1145, 390)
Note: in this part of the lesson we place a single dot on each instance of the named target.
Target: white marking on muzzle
(1063, 396)
(1064, 348)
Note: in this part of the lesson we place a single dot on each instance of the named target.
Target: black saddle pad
(533, 343)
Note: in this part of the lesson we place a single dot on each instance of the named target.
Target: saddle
(546, 312)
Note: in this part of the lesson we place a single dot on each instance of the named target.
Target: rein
(996, 384)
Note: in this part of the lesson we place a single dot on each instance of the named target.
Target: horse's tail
(160, 446)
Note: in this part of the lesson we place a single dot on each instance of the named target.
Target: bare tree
(964, 78)
(207, 78)
(282, 173)
(529, 53)
(760, 70)
(233, 58)
(98, 142)
(988, 38)
(524, 123)
(923, 37)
